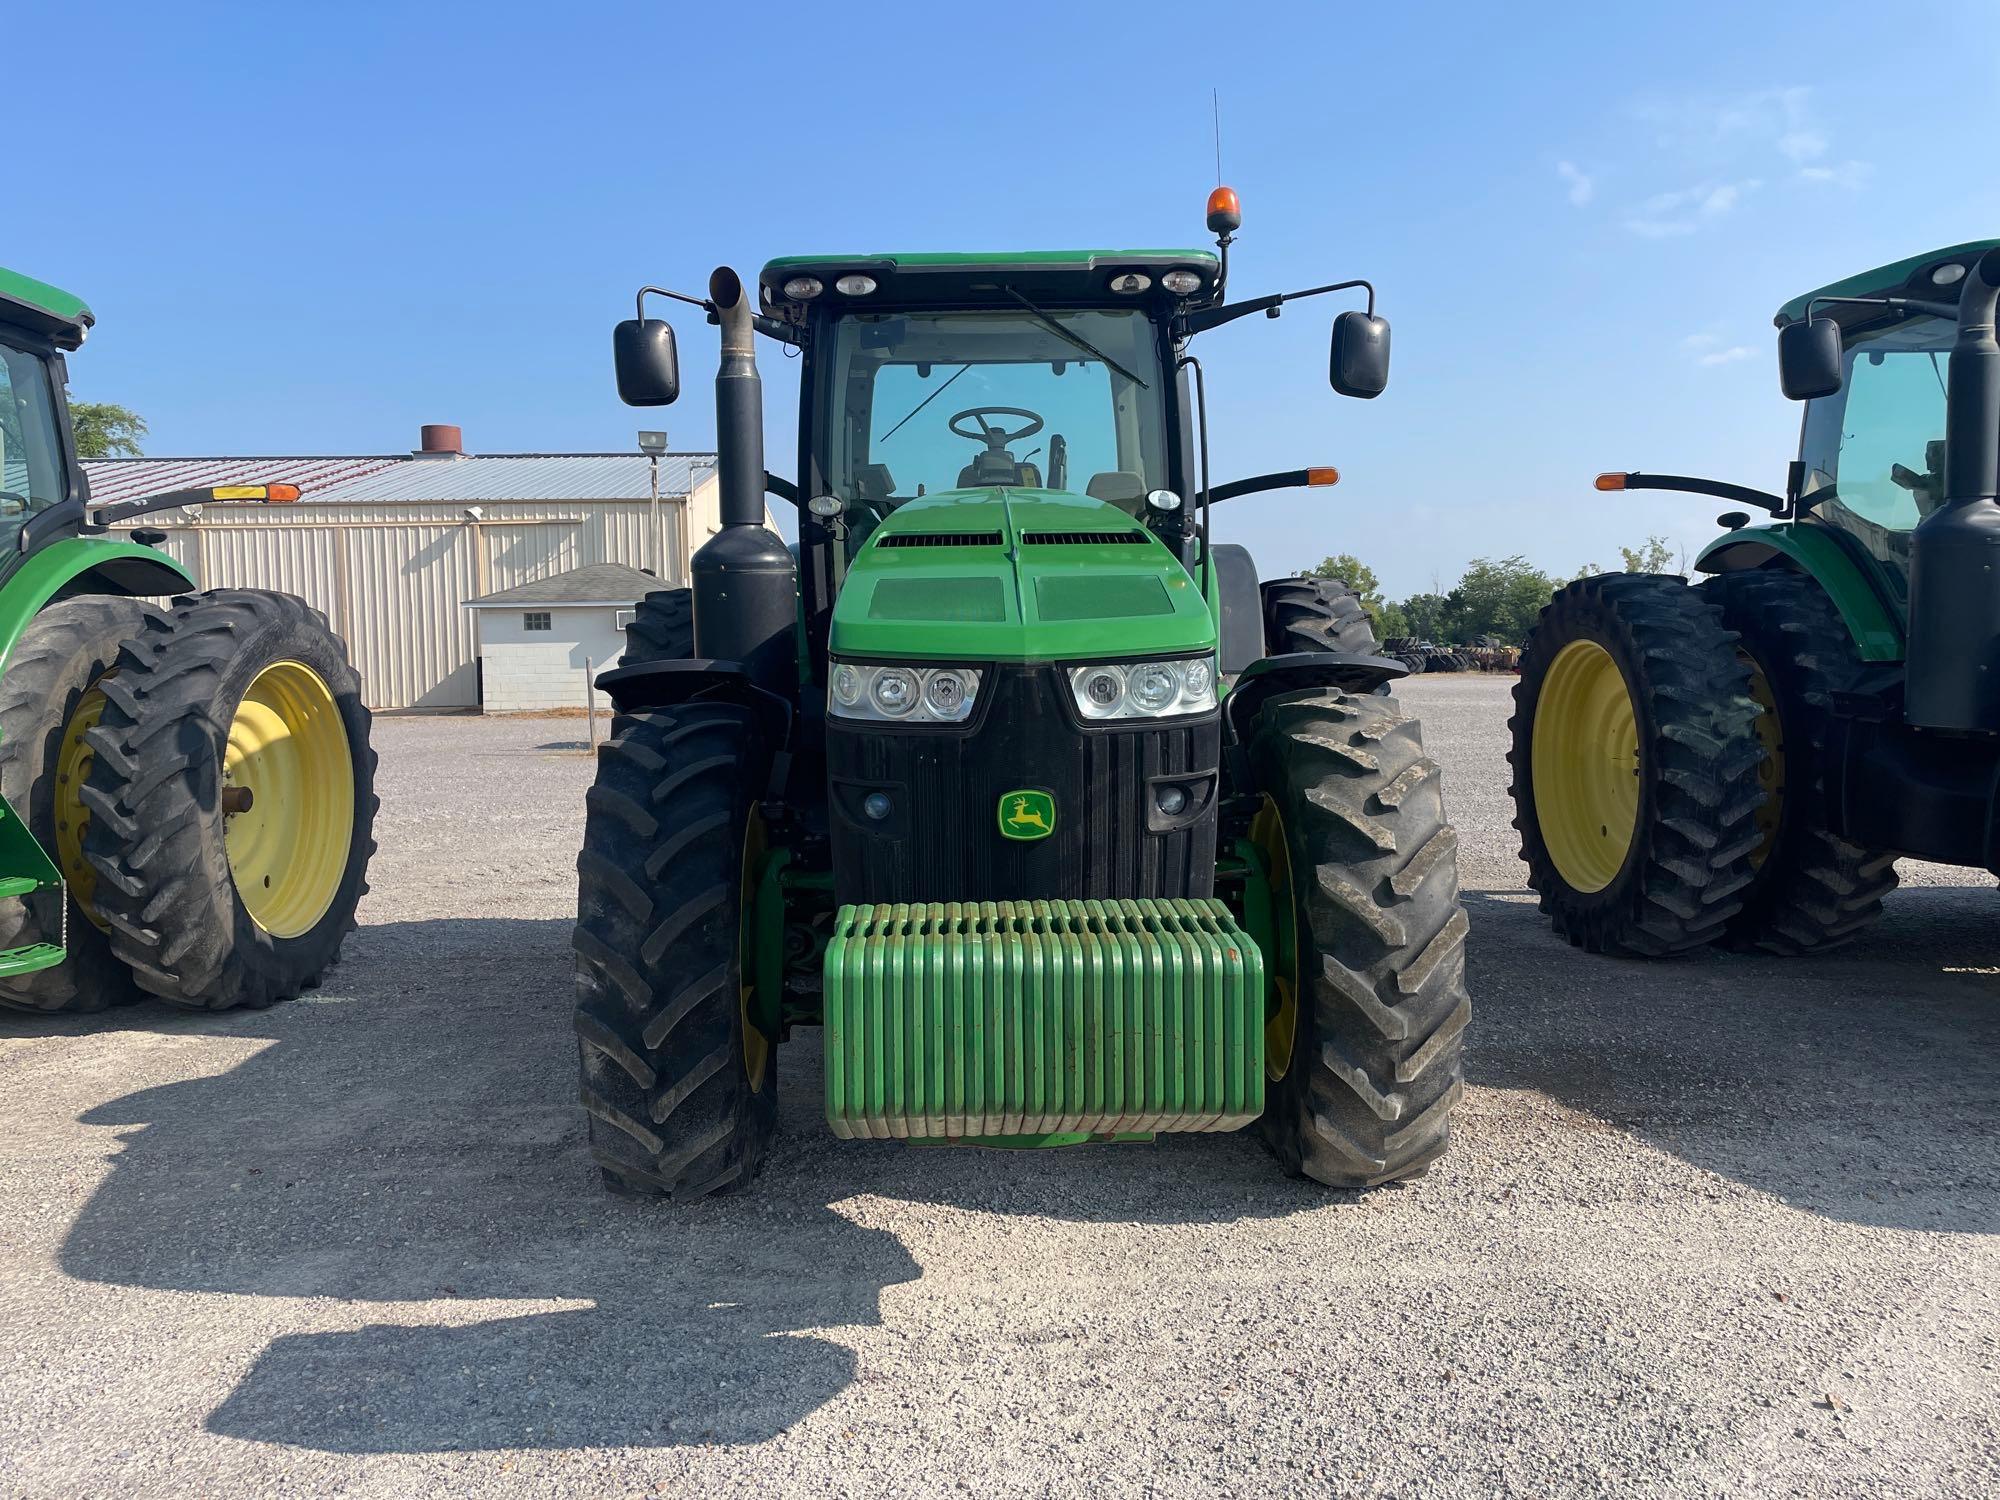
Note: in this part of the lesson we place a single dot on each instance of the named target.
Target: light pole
(653, 444)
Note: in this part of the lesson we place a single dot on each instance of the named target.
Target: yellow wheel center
(289, 839)
(756, 1046)
(1281, 1028)
(1770, 770)
(73, 761)
(1586, 766)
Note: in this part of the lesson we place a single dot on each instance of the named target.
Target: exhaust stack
(745, 581)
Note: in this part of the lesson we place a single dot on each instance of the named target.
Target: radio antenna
(1215, 109)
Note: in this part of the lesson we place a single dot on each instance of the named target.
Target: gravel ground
(1726, 1226)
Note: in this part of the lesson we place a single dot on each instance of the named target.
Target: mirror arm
(1284, 479)
(1740, 494)
(1214, 317)
(784, 489)
(779, 329)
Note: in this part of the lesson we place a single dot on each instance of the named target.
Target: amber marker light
(1225, 213)
(281, 494)
(1611, 481)
(1322, 476)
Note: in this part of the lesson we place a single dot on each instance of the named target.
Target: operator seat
(996, 469)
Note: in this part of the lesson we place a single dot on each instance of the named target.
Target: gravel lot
(1727, 1226)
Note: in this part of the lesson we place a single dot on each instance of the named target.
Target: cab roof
(1910, 277)
(1045, 277)
(45, 309)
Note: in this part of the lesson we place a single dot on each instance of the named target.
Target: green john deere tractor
(1742, 761)
(1060, 824)
(186, 791)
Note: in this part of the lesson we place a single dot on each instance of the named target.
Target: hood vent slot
(940, 539)
(1133, 538)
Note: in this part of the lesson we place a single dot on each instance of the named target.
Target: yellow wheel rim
(756, 1046)
(288, 847)
(1586, 766)
(73, 760)
(1771, 769)
(1267, 832)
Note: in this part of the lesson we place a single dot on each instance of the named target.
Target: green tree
(105, 429)
(1425, 616)
(1655, 557)
(1496, 598)
(1391, 623)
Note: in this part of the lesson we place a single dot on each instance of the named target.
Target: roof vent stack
(439, 440)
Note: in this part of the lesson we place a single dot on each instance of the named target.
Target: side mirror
(648, 365)
(1809, 359)
(1360, 364)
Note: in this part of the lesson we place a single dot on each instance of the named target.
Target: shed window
(537, 619)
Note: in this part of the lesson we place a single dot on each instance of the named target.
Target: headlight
(901, 695)
(1144, 689)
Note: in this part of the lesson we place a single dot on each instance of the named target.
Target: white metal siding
(393, 577)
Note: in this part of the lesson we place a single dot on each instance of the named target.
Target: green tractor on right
(1741, 761)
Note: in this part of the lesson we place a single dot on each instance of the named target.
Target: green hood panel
(1017, 575)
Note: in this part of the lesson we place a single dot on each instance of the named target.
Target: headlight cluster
(1144, 689)
(902, 695)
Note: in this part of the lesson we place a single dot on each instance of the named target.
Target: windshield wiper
(920, 406)
(1076, 339)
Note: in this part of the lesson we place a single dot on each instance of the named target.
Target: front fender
(82, 565)
(1814, 551)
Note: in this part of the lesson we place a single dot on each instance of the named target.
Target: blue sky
(310, 228)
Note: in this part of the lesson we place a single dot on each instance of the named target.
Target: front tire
(1366, 1053)
(232, 800)
(680, 1089)
(1635, 766)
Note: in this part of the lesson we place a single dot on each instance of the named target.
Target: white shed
(538, 640)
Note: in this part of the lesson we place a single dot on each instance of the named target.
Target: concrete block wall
(528, 670)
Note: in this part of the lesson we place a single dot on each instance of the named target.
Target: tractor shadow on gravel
(1862, 1085)
(406, 1153)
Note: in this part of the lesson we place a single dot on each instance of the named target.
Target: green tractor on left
(186, 791)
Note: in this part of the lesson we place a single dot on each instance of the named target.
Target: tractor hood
(1016, 575)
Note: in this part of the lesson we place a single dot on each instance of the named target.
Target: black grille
(1133, 538)
(940, 539)
(942, 840)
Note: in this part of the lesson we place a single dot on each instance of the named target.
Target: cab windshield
(1874, 451)
(916, 403)
(31, 462)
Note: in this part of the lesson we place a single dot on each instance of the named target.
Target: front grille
(940, 539)
(943, 841)
(1134, 538)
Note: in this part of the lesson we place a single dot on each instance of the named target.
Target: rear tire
(681, 1092)
(661, 629)
(1681, 875)
(159, 837)
(1315, 614)
(1373, 1064)
(1812, 890)
(61, 655)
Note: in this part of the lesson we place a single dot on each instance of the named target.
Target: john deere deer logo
(1027, 815)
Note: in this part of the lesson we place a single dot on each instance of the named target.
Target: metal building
(391, 547)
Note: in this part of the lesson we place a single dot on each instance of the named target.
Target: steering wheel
(990, 435)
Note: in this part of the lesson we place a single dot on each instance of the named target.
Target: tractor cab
(38, 324)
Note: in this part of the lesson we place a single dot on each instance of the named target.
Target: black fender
(667, 682)
(1346, 671)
